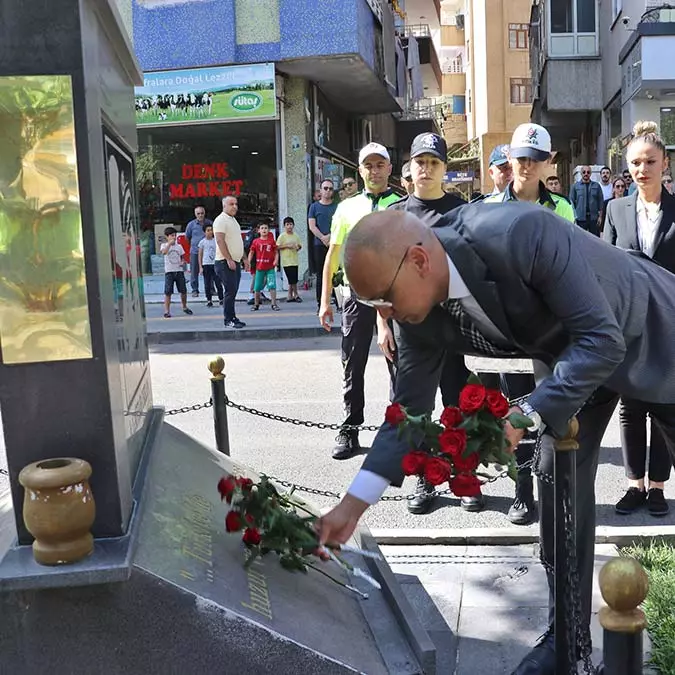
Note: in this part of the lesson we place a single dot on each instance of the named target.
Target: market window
(518, 35)
(521, 90)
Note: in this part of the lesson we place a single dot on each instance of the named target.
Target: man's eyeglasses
(382, 303)
(348, 183)
(327, 188)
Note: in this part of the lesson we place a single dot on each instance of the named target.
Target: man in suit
(516, 280)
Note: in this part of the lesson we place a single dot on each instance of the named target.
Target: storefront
(204, 134)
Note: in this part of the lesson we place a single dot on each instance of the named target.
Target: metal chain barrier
(190, 408)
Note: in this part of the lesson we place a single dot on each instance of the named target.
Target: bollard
(624, 585)
(564, 481)
(216, 366)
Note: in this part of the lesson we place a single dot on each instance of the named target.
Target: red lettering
(238, 185)
(190, 190)
(176, 191)
(221, 170)
(187, 171)
(202, 190)
(209, 171)
(214, 189)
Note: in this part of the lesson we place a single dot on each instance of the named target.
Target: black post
(624, 585)
(564, 478)
(216, 366)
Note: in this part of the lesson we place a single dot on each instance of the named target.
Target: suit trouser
(358, 325)
(590, 226)
(593, 420)
(194, 271)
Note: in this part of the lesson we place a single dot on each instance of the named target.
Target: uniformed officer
(358, 320)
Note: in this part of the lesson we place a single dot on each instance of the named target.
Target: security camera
(626, 21)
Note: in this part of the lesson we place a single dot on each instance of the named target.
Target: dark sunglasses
(327, 188)
(348, 183)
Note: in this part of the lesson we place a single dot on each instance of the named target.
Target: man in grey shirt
(194, 233)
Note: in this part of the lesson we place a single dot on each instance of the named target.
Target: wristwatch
(530, 412)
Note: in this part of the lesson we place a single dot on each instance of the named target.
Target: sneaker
(276, 307)
(167, 315)
(631, 501)
(425, 493)
(251, 301)
(347, 444)
(195, 294)
(209, 304)
(656, 502)
(298, 299)
(255, 308)
(234, 323)
(523, 510)
(473, 504)
(220, 302)
(187, 310)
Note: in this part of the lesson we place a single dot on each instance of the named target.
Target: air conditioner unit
(459, 21)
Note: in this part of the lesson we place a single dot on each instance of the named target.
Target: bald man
(516, 280)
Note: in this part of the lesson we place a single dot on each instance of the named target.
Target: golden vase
(59, 509)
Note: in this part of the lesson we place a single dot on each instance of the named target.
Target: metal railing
(417, 30)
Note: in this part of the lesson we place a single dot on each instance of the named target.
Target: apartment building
(485, 58)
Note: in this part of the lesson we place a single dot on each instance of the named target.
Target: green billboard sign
(222, 94)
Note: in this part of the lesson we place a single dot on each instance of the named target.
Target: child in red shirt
(264, 248)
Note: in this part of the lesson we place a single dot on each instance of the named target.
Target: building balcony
(429, 61)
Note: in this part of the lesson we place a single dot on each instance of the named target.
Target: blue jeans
(230, 279)
(194, 271)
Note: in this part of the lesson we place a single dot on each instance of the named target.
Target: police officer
(358, 320)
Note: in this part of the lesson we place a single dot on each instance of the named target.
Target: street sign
(455, 177)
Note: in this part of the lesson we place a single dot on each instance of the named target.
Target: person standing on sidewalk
(358, 321)
(428, 201)
(194, 233)
(319, 219)
(644, 222)
(587, 199)
(207, 266)
(229, 258)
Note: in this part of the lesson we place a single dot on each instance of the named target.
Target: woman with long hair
(618, 191)
(645, 222)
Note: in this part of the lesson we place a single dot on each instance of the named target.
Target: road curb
(156, 338)
(619, 536)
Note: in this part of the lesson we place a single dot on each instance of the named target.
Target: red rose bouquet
(273, 521)
(452, 449)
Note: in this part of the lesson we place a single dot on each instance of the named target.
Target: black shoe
(541, 660)
(209, 304)
(523, 510)
(656, 502)
(425, 493)
(631, 501)
(347, 444)
(251, 301)
(235, 323)
(473, 504)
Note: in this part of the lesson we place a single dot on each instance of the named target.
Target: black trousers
(211, 279)
(593, 420)
(590, 226)
(633, 415)
(358, 326)
(320, 252)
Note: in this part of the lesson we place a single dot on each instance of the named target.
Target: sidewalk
(293, 320)
(483, 606)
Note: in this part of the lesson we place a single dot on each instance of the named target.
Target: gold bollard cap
(624, 585)
(216, 366)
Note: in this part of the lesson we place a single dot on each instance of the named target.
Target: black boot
(347, 444)
(541, 660)
(523, 510)
(425, 493)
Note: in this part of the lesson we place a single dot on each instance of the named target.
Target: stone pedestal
(74, 377)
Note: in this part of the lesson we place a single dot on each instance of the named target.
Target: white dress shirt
(648, 221)
(368, 486)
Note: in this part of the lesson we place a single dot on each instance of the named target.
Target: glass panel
(561, 16)
(668, 125)
(44, 315)
(585, 16)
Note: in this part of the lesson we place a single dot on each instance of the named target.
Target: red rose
(496, 403)
(413, 463)
(451, 417)
(466, 464)
(453, 441)
(471, 398)
(395, 414)
(246, 484)
(233, 522)
(226, 488)
(465, 485)
(251, 537)
(437, 471)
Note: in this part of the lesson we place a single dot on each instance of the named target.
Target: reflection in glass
(44, 314)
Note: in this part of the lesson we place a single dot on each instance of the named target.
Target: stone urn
(58, 509)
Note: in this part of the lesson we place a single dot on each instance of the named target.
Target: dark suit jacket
(595, 314)
(622, 231)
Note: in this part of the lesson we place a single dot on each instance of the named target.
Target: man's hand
(339, 524)
(326, 316)
(231, 264)
(326, 240)
(513, 436)
(201, 270)
(385, 340)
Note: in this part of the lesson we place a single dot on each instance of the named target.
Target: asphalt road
(302, 378)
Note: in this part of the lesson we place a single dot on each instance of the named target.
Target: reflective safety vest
(551, 200)
(352, 209)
